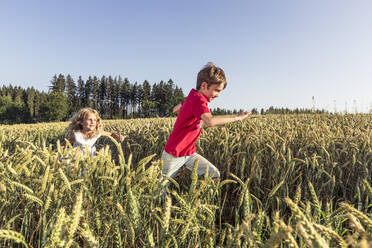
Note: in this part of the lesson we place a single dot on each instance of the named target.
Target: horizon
(354, 109)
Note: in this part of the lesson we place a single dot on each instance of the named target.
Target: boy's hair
(77, 123)
(211, 74)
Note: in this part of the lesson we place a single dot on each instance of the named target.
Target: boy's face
(89, 122)
(212, 91)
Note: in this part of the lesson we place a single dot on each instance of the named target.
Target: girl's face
(89, 123)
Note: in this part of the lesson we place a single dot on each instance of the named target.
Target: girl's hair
(211, 74)
(77, 123)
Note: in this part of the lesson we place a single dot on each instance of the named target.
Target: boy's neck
(200, 91)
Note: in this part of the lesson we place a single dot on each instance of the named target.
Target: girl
(85, 128)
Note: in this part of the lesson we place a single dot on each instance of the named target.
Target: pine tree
(140, 93)
(88, 91)
(111, 96)
(58, 84)
(102, 95)
(81, 93)
(116, 97)
(31, 102)
(133, 97)
(124, 97)
(71, 95)
(37, 103)
(147, 106)
(54, 83)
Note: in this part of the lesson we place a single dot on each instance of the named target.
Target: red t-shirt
(188, 125)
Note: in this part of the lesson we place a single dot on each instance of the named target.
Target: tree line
(270, 110)
(273, 110)
(113, 97)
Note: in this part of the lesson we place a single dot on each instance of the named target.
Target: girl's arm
(118, 137)
(177, 108)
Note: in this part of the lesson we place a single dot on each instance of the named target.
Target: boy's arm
(116, 136)
(211, 120)
(177, 108)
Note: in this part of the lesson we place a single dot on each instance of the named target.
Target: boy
(192, 113)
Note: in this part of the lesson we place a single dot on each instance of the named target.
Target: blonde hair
(211, 74)
(77, 123)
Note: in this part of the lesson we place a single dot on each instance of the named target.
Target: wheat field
(286, 181)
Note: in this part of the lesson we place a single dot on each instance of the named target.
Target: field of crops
(286, 181)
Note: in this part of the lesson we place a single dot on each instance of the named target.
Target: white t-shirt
(84, 143)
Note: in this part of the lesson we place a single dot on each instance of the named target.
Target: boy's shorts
(172, 164)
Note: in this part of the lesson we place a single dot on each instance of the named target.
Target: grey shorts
(172, 164)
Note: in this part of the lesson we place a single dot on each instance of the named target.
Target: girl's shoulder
(78, 133)
(79, 137)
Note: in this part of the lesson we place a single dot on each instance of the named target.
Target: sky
(274, 53)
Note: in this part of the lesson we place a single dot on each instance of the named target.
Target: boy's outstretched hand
(212, 121)
(118, 137)
(243, 115)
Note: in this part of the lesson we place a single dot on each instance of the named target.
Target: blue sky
(274, 53)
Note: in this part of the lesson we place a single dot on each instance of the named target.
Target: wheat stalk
(56, 233)
(12, 235)
(75, 219)
(65, 179)
(361, 216)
